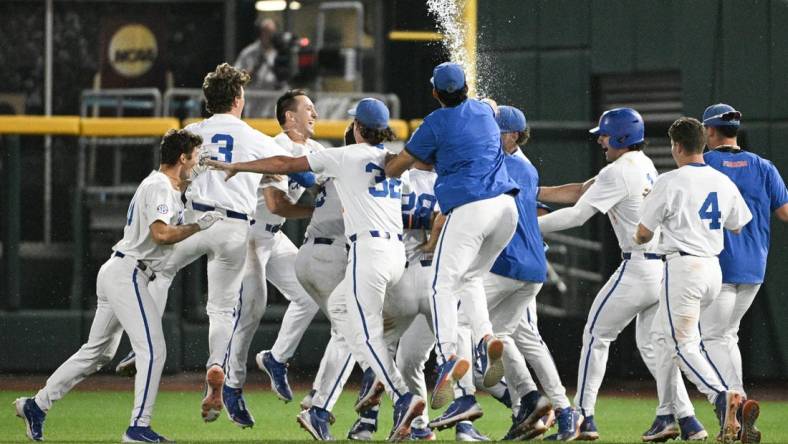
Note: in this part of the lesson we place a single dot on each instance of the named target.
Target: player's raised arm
(399, 163)
(269, 165)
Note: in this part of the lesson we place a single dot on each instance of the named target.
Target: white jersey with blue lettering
(230, 139)
(418, 205)
(618, 192)
(371, 201)
(155, 199)
(692, 205)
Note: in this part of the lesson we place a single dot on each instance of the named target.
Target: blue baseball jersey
(743, 260)
(464, 145)
(523, 259)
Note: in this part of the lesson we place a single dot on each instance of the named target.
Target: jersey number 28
(711, 210)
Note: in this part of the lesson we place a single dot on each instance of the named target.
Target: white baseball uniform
(373, 227)
(633, 289)
(271, 256)
(690, 205)
(228, 139)
(124, 303)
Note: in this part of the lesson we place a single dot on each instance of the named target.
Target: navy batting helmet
(623, 125)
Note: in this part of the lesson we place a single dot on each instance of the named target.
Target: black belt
(141, 265)
(375, 233)
(273, 228)
(664, 257)
(650, 256)
(423, 262)
(229, 213)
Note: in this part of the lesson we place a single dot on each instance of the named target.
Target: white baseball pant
(271, 257)
(225, 245)
(631, 292)
(690, 285)
(375, 264)
(472, 238)
(719, 324)
(124, 303)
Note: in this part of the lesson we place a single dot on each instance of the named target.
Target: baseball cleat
(371, 391)
(588, 430)
(515, 434)
(127, 366)
(277, 372)
(750, 412)
(450, 371)
(692, 429)
(407, 407)
(662, 429)
(489, 352)
(315, 422)
(306, 403)
(465, 431)
(569, 421)
(422, 434)
(142, 434)
(236, 407)
(464, 408)
(725, 406)
(34, 417)
(532, 407)
(212, 403)
(365, 426)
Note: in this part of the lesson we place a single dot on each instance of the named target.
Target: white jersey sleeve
(657, 205)
(327, 162)
(608, 189)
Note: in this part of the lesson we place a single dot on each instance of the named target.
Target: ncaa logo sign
(133, 50)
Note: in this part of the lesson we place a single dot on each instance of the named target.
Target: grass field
(102, 417)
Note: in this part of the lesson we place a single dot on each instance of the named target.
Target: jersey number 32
(383, 187)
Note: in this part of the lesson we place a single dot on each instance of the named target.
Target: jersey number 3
(383, 187)
(225, 142)
(711, 210)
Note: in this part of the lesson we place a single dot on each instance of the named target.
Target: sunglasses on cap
(726, 116)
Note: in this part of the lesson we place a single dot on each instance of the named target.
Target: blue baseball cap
(372, 113)
(721, 115)
(448, 76)
(510, 119)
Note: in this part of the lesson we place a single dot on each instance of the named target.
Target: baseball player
(462, 141)
(373, 227)
(153, 225)
(691, 205)
(228, 138)
(743, 260)
(271, 256)
(633, 289)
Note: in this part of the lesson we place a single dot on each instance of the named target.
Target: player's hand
(209, 218)
(426, 247)
(228, 168)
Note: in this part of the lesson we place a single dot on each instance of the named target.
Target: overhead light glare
(275, 5)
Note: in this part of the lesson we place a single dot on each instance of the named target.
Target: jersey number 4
(711, 210)
(225, 142)
(383, 187)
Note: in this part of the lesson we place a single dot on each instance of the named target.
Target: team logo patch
(163, 209)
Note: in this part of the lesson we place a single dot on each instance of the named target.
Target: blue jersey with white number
(523, 259)
(464, 145)
(743, 260)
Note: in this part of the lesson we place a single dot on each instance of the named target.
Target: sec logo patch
(163, 209)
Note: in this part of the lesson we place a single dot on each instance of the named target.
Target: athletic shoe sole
(494, 372)
(750, 412)
(305, 422)
(543, 407)
(19, 406)
(670, 433)
(539, 428)
(402, 433)
(127, 369)
(259, 360)
(212, 403)
(371, 399)
(730, 425)
(472, 414)
(587, 436)
(444, 392)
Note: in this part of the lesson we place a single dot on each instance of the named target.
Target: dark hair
(177, 142)
(452, 99)
(350, 138)
(286, 102)
(688, 132)
(728, 131)
(523, 137)
(222, 86)
(375, 136)
(638, 146)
